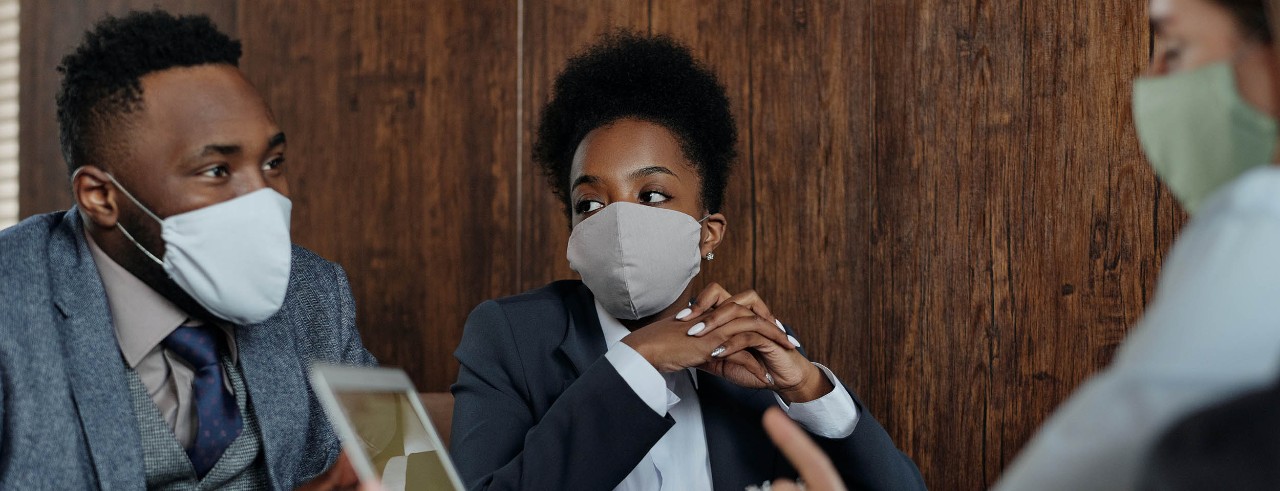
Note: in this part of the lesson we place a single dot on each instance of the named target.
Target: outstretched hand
(814, 467)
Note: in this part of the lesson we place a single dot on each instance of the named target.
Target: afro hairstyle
(649, 78)
(100, 79)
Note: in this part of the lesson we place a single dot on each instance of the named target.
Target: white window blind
(8, 112)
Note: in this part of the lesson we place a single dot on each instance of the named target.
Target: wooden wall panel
(401, 118)
(810, 123)
(945, 198)
(554, 31)
(705, 26)
(948, 110)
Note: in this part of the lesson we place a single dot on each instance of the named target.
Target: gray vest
(166, 463)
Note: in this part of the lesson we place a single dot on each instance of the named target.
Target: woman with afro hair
(631, 379)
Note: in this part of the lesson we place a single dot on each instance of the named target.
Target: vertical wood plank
(554, 30)
(1094, 223)
(811, 129)
(711, 31)
(401, 116)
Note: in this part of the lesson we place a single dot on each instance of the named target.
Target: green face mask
(1198, 133)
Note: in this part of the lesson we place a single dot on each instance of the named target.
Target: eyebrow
(233, 149)
(645, 172)
(653, 170)
(586, 179)
(276, 140)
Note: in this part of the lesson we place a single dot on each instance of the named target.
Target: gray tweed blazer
(65, 417)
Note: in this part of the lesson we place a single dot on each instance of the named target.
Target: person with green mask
(1205, 114)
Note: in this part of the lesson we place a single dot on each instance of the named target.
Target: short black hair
(650, 78)
(100, 79)
(1251, 15)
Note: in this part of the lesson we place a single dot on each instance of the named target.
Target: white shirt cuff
(640, 375)
(831, 416)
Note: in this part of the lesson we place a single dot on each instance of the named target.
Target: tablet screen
(403, 454)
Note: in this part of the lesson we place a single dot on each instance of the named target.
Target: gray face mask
(636, 259)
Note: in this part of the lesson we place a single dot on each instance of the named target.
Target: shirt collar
(141, 317)
(614, 331)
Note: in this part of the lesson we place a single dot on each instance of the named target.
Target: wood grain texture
(945, 198)
(705, 27)
(553, 31)
(810, 124)
(404, 171)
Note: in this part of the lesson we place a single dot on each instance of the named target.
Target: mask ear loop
(140, 205)
(133, 199)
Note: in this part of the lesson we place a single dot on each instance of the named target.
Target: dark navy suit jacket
(539, 407)
(65, 417)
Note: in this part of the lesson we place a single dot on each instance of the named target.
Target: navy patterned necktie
(218, 418)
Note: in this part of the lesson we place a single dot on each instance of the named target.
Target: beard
(147, 239)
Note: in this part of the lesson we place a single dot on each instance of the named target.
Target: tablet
(384, 429)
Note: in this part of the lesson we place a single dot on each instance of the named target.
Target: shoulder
(536, 317)
(1217, 289)
(24, 254)
(1252, 194)
(546, 304)
(318, 293)
(310, 266)
(24, 246)
(312, 277)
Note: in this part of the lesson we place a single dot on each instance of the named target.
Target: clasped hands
(734, 337)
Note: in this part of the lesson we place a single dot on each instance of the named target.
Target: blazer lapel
(583, 342)
(740, 452)
(95, 368)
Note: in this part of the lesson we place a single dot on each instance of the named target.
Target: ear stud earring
(710, 256)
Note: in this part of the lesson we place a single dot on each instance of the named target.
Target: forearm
(590, 438)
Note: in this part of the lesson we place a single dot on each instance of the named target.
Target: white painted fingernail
(779, 324)
(717, 352)
(793, 341)
(683, 313)
(697, 328)
(768, 378)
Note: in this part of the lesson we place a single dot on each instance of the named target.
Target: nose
(250, 181)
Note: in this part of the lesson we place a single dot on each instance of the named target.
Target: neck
(125, 253)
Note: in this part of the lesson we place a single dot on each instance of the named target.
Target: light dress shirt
(679, 460)
(1212, 331)
(142, 318)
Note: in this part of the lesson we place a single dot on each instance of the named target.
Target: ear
(713, 229)
(95, 195)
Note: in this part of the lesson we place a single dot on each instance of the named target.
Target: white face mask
(636, 259)
(232, 257)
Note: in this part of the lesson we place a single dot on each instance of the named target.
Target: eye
(653, 197)
(587, 206)
(220, 170)
(273, 164)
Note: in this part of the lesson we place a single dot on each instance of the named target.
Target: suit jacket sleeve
(868, 459)
(590, 437)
